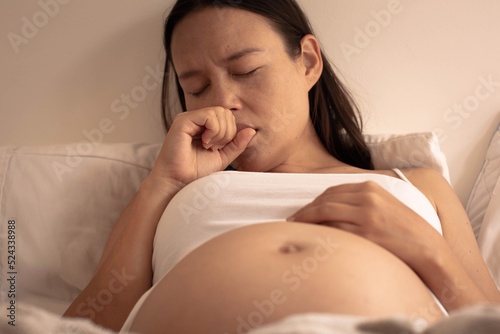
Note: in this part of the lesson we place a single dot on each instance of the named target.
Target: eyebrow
(229, 59)
(242, 53)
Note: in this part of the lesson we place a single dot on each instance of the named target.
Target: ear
(311, 59)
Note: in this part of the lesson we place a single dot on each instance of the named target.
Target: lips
(240, 127)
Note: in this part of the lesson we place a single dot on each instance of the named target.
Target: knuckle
(218, 110)
(329, 191)
(371, 194)
(212, 113)
(371, 186)
(371, 198)
(179, 117)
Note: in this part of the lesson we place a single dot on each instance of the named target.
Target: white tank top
(225, 201)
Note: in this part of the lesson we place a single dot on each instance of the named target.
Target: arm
(451, 266)
(125, 272)
(459, 256)
(125, 269)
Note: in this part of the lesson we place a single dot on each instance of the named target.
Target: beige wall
(70, 67)
(69, 74)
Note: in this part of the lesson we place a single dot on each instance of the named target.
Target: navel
(290, 248)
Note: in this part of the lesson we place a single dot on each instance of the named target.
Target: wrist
(443, 274)
(429, 249)
(162, 187)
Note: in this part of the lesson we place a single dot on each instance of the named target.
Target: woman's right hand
(200, 143)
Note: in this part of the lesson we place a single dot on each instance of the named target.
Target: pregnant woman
(303, 223)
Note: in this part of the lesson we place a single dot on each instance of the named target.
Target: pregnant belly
(261, 273)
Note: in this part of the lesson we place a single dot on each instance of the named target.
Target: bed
(59, 203)
(73, 153)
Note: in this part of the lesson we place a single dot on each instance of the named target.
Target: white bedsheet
(480, 319)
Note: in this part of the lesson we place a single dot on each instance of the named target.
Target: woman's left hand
(368, 210)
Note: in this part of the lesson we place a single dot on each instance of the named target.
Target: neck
(311, 157)
(329, 165)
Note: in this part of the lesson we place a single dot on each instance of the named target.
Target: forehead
(218, 32)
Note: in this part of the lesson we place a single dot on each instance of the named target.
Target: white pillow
(407, 151)
(482, 191)
(65, 200)
(489, 235)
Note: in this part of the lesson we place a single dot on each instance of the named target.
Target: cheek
(192, 104)
(290, 109)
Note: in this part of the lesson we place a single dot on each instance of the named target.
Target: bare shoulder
(433, 185)
(424, 175)
(454, 220)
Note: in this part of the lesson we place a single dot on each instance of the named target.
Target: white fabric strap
(401, 175)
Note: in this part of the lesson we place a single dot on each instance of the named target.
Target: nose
(225, 94)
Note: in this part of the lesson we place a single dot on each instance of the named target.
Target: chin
(249, 161)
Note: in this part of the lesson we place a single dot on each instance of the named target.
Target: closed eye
(242, 76)
(200, 92)
(246, 75)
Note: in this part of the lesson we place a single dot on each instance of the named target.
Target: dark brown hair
(333, 112)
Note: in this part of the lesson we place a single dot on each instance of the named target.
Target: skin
(263, 90)
(246, 264)
(247, 102)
